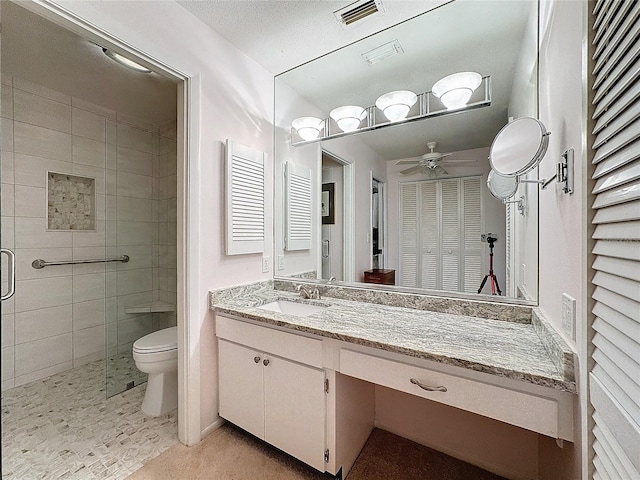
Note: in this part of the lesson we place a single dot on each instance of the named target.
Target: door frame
(188, 139)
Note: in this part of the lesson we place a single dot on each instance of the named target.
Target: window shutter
(298, 207)
(245, 199)
(614, 381)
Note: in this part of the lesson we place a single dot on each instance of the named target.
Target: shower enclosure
(83, 185)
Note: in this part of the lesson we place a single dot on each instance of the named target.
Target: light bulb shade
(116, 57)
(348, 117)
(396, 105)
(308, 128)
(454, 91)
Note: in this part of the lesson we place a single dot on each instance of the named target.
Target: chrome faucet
(306, 293)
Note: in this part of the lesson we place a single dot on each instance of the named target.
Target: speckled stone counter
(510, 349)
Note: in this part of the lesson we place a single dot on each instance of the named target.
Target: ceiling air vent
(358, 10)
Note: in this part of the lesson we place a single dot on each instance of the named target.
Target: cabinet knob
(265, 362)
(256, 359)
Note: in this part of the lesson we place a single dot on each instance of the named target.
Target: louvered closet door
(409, 234)
(429, 244)
(614, 381)
(471, 267)
(450, 234)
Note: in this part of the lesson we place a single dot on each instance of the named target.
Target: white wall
(332, 172)
(236, 102)
(564, 252)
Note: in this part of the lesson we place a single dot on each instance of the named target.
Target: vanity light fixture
(348, 117)
(396, 105)
(116, 57)
(308, 128)
(455, 90)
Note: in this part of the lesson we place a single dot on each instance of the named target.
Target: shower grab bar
(39, 263)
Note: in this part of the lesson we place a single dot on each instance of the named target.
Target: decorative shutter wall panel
(614, 381)
(298, 206)
(245, 199)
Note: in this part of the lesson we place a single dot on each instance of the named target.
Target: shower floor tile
(63, 427)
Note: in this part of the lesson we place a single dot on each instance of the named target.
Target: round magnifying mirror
(501, 186)
(519, 147)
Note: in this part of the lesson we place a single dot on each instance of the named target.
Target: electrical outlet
(280, 262)
(368, 238)
(266, 264)
(569, 315)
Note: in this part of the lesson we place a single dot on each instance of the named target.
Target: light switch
(569, 315)
(266, 264)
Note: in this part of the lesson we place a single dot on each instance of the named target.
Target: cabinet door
(295, 410)
(241, 387)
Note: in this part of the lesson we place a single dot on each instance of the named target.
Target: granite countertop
(503, 348)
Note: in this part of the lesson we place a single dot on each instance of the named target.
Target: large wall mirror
(370, 206)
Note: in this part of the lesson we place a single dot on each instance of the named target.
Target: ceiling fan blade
(407, 162)
(439, 170)
(460, 162)
(411, 170)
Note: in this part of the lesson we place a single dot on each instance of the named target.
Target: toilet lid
(160, 341)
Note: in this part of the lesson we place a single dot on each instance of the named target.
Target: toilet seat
(164, 340)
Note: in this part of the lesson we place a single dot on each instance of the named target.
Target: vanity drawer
(511, 406)
(269, 340)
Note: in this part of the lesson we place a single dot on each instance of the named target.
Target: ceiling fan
(428, 163)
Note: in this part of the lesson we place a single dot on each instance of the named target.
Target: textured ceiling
(42, 52)
(282, 34)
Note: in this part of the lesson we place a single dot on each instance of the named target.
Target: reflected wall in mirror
(413, 197)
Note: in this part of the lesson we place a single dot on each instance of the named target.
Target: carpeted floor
(229, 453)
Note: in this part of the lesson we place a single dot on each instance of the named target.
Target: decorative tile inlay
(503, 348)
(63, 427)
(71, 202)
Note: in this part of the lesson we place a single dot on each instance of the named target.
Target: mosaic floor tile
(64, 427)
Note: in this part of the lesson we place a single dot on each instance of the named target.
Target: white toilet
(157, 355)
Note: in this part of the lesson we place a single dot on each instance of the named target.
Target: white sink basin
(292, 308)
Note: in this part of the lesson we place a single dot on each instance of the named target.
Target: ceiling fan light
(455, 90)
(396, 105)
(348, 117)
(308, 128)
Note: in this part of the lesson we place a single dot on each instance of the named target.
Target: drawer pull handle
(256, 359)
(265, 362)
(428, 388)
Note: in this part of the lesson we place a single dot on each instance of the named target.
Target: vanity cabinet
(277, 399)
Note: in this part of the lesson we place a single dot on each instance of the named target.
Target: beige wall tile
(87, 253)
(8, 363)
(41, 354)
(30, 201)
(133, 328)
(32, 233)
(88, 124)
(135, 281)
(135, 122)
(27, 86)
(89, 152)
(112, 136)
(135, 138)
(135, 233)
(7, 134)
(8, 166)
(46, 322)
(134, 161)
(30, 170)
(6, 107)
(112, 156)
(41, 111)
(134, 209)
(25, 256)
(7, 335)
(7, 232)
(42, 293)
(88, 314)
(88, 341)
(96, 238)
(8, 199)
(88, 287)
(132, 185)
(43, 373)
(41, 142)
(133, 299)
(98, 173)
(94, 108)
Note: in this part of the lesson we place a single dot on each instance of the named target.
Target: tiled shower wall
(56, 320)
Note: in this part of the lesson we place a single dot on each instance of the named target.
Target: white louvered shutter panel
(429, 235)
(298, 207)
(471, 231)
(450, 235)
(244, 187)
(614, 381)
(409, 234)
